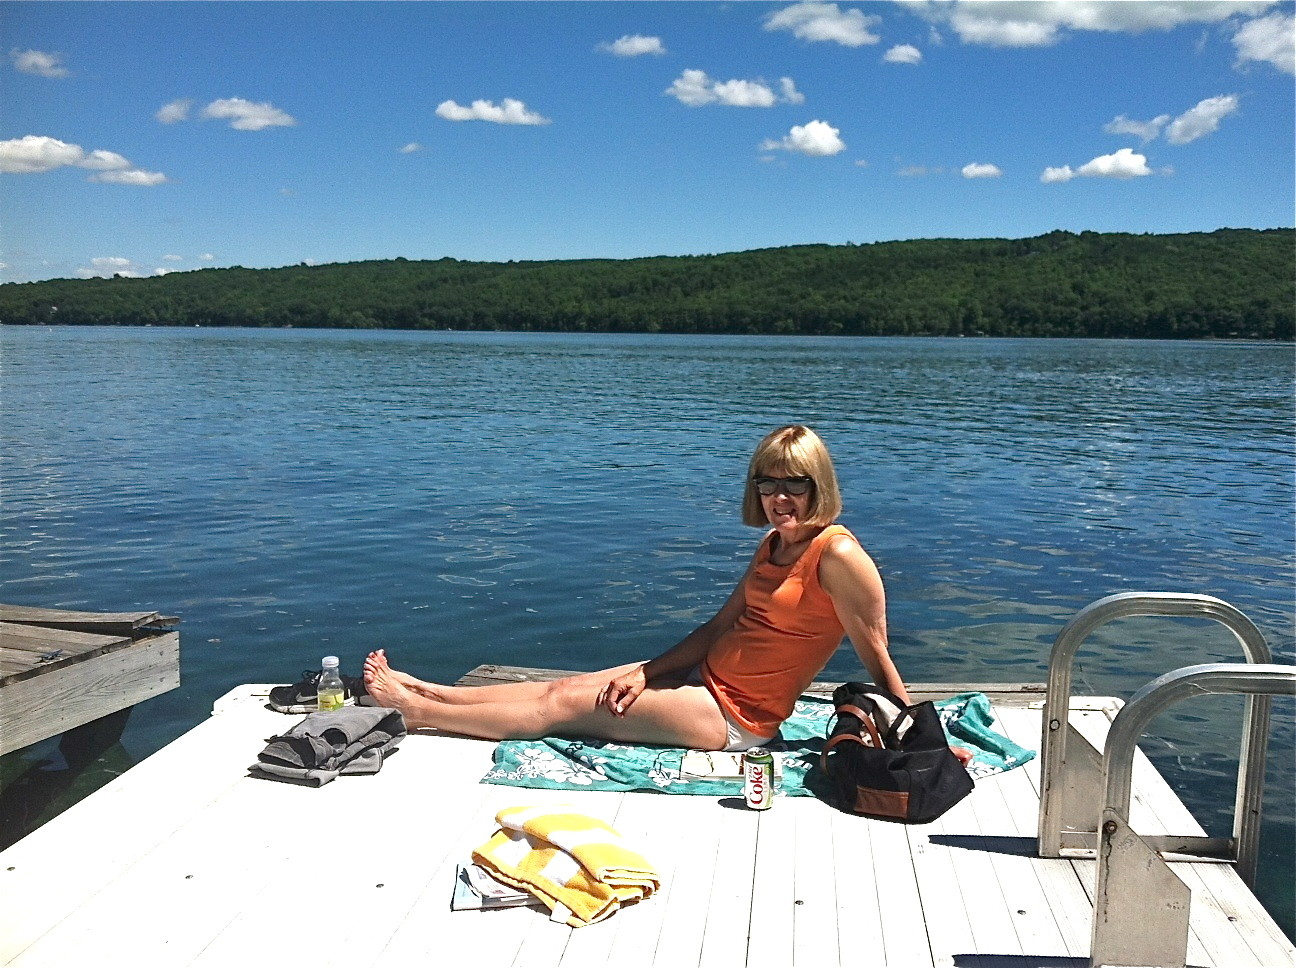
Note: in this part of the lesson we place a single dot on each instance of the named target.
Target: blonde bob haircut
(794, 451)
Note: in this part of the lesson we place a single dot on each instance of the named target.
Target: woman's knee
(567, 699)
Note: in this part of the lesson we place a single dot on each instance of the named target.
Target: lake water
(572, 502)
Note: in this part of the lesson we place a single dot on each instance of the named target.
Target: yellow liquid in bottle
(328, 701)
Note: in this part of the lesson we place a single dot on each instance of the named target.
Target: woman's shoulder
(841, 545)
(838, 539)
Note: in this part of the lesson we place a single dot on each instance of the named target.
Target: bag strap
(865, 720)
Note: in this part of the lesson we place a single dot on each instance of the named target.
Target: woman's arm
(854, 584)
(852, 581)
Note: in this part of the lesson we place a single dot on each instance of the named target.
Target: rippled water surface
(571, 502)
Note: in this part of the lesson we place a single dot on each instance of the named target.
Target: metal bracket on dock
(1140, 906)
(1071, 775)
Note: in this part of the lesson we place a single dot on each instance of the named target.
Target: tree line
(1232, 283)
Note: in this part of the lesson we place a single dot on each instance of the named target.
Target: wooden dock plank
(948, 923)
(730, 918)
(107, 623)
(815, 937)
(27, 651)
(693, 879)
(773, 894)
(857, 882)
(36, 708)
(900, 909)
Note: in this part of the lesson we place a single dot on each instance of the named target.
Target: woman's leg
(678, 715)
(474, 695)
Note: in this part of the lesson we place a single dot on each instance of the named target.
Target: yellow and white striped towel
(578, 865)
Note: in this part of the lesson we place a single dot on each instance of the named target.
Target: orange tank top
(787, 632)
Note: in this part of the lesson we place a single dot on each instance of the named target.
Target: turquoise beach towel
(572, 764)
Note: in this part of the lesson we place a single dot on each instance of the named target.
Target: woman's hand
(621, 693)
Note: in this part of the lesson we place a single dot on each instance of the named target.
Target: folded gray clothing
(353, 739)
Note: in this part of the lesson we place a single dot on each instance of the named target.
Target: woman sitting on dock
(730, 683)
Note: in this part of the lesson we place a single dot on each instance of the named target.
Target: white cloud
(1202, 119)
(207, 257)
(978, 170)
(694, 88)
(104, 160)
(410, 148)
(1054, 175)
(38, 62)
(174, 111)
(247, 116)
(1124, 163)
(108, 266)
(1270, 39)
(132, 176)
(903, 54)
(918, 171)
(816, 138)
(1146, 130)
(511, 111)
(789, 92)
(1039, 23)
(35, 153)
(634, 45)
(172, 258)
(815, 21)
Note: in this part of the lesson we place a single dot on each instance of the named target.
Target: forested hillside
(1230, 283)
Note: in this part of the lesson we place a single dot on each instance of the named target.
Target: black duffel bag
(885, 759)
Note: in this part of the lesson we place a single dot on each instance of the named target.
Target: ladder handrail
(1126, 932)
(1057, 701)
(1211, 678)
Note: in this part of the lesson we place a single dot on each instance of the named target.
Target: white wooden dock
(186, 860)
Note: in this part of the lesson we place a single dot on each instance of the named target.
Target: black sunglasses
(796, 486)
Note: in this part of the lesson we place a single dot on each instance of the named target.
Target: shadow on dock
(38, 783)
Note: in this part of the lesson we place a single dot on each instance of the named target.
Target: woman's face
(784, 510)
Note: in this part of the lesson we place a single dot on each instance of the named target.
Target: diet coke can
(758, 778)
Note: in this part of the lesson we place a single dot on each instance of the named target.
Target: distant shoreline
(1228, 284)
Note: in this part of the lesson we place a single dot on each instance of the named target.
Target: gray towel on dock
(354, 739)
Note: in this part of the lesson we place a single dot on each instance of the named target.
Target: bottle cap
(330, 660)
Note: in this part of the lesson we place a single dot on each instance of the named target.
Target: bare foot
(382, 683)
(428, 690)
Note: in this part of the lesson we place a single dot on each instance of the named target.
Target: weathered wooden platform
(60, 669)
(186, 860)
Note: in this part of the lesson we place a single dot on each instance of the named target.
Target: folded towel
(578, 865)
(354, 739)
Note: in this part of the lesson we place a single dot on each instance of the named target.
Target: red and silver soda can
(758, 778)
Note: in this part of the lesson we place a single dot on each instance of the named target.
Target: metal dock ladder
(1140, 906)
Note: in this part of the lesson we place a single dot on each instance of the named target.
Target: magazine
(700, 764)
(476, 890)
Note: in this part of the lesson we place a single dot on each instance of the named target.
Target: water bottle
(330, 690)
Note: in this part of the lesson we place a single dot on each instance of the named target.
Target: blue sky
(142, 138)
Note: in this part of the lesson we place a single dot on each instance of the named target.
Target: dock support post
(1140, 905)
(84, 744)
